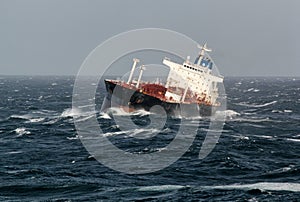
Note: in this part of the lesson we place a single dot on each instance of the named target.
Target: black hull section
(119, 96)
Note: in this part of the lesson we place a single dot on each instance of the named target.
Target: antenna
(202, 52)
(204, 47)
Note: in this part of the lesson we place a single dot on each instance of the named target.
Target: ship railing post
(135, 61)
(140, 76)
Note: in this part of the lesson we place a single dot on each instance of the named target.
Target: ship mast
(140, 76)
(135, 61)
(202, 53)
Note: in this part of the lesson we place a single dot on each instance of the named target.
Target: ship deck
(158, 90)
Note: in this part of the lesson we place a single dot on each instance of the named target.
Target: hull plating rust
(148, 95)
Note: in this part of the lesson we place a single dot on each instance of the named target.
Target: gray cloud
(249, 38)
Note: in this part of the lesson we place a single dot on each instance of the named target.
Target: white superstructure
(196, 77)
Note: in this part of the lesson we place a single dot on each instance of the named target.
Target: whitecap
(22, 131)
(270, 186)
(117, 111)
(137, 133)
(244, 137)
(264, 136)
(256, 105)
(35, 120)
(104, 116)
(140, 113)
(143, 133)
(293, 140)
(229, 114)
(50, 122)
(114, 133)
(87, 106)
(251, 90)
(282, 170)
(14, 152)
(162, 188)
(26, 116)
(255, 120)
(16, 171)
(71, 112)
(84, 118)
(73, 138)
(276, 111)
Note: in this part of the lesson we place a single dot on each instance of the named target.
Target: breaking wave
(22, 131)
(121, 112)
(71, 112)
(162, 188)
(269, 186)
(256, 105)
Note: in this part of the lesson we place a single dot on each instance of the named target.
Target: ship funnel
(135, 61)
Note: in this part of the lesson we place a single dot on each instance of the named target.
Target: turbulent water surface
(256, 158)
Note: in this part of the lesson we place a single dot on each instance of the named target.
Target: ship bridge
(195, 77)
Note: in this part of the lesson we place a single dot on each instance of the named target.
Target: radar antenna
(204, 49)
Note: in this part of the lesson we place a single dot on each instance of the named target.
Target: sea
(42, 157)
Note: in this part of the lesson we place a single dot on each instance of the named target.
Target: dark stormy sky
(53, 37)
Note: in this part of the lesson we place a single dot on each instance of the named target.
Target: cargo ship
(189, 85)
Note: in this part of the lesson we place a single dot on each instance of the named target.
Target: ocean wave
(253, 120)
(14, 152)
(282, 170)
(141, 133)
(35, 120)
(25, 116)
(73, 138)
(293, 140)
(231, 114)
(22, 131)
(87, 106)
(228, 114)
(264, 136)
(282, 111)
(104, 116)
(121, 112)
(50, 122)
(114, 133)
(162, 188)
(71, 112)
(252, 90)
(256, 105)
(263, 186)
(35, 116)
(269, 186)
(84, 118)
(136, 133)
(117, 111)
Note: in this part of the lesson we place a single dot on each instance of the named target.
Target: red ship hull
(130, 98)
